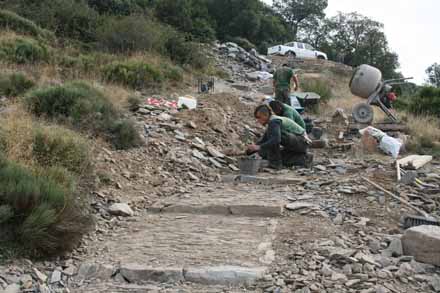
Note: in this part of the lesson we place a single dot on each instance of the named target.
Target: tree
(295, 12)
(357, 39)
(433, 73)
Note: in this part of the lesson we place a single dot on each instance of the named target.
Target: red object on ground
(392, 96)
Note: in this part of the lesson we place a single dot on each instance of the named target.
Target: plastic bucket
(249, 166)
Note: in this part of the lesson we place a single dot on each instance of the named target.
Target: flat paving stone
(174, 240)
(228, 200)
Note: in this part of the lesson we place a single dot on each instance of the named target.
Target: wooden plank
(423, 213)
(386, 127)
(414, 161)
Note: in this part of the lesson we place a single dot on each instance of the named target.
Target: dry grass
(424, 130)
(17, 131)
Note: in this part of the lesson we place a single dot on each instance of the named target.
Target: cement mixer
(367, 83)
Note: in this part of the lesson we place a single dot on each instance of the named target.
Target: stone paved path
(214, 238)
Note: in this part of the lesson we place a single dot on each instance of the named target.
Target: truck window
(309, 47)
(300, 45)
(289, 44)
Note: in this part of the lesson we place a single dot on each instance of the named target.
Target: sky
(412, 28)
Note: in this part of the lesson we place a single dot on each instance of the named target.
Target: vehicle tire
(320, 57)
(363, 113)
(291, 54)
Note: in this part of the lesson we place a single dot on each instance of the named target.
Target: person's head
(262, 114)
(277, 107)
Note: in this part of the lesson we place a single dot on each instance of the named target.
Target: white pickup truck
(297, 50)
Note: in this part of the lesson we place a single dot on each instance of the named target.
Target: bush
(42, 215)
(428, 102)
(171, 72)
(134, 74)
(23, 50)
(56, 146)
(134, 103)
(124, 135)
(81, 62)
(14, 84)
(317, 86)
(119, 7)
(81, 105)
(11, 21)
(202, 30)
(130, 34)
(184, 52)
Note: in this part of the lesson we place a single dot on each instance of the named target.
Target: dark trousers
(283, 95)
(290, 152)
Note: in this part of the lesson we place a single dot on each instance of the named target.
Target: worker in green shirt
(285, 110)
(282, 80)
(283, 144)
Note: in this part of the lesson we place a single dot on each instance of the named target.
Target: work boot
(276, 165)
(264, 164)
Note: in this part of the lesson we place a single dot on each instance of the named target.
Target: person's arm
(295, 81)
(273, 134)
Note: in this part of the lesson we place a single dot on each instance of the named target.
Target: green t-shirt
(282, 77)
(291, 113)
(288, 126)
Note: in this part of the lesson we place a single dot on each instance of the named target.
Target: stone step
(205, 249)
(229, 201)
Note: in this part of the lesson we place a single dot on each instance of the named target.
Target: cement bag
(390, 146)
(374, 132)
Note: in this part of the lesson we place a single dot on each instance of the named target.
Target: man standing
(282, 80)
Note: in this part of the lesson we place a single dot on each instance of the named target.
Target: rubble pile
(241, 65)
(183, 148)
(356, 262)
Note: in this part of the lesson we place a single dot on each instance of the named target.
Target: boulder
(120, 209)
(423, 242)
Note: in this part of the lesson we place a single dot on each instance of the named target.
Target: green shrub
(81, 105)
(173, 73)
(6, 213)
(67, 18)
(43, 216)
(318, 86)
(11, 21)
(23, 50)
(183, 52)
(78, 102)
(56, 146)
(428, 102)
(134, 103)
(130, 34)
(202, 30)
(14, 84)
(262, 48)
(124, 135)
(133, 74)
(119, 7)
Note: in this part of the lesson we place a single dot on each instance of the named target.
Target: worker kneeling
(284, 143)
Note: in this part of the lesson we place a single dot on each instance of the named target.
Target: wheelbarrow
(367, 83)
